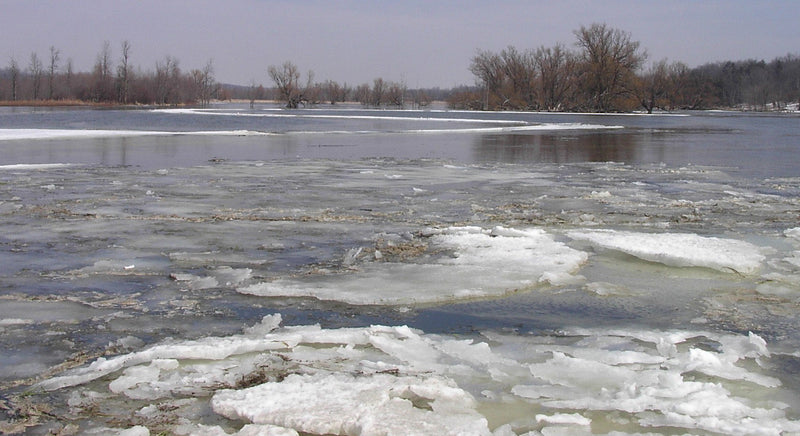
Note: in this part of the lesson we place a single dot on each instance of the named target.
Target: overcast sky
(422, 42)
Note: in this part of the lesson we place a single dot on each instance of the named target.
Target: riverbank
(50, 103)
(437, 105)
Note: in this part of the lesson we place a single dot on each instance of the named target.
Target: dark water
(757, 145)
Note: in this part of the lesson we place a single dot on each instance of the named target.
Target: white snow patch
(18, 134)
(247, 430)
(15, 321)
(679, 249)
(564, 418)
(138, 430)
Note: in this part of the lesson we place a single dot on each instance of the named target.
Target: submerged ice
(393, 379)
(477, 263)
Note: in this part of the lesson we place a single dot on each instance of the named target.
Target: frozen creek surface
(391, 296)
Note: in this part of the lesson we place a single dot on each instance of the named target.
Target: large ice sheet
(377, 404)
(17, 134)
(395, 380)
(679, 249)
(509, 125)
(482, 263)
(27, 134)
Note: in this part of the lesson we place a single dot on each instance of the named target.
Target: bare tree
(35, 68)
(363, 94)
(556, 68)
(421, 99)
(68, 77)
(333, 92)
(377, 96)
(167, 78)
(205, 85)
(396, 94)
(610, 61)
(680, 92)
(654, 86)
(124, 73)
(520, 73)
(312, 93)
(488, 68)
(102, 74)
(14, 73)
(255, 93)
(287, 81)
(51, 74)
(509, 79)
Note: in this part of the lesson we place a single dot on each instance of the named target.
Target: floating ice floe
(505, 125)
(679, 249)
(793, 233)
(27, 134)
(373, 404)
(13, 167)
(482, 263)
(384, 380)
(17, 134)
(224, 276)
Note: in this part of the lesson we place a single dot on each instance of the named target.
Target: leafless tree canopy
(287, 83)
(51, 73)
(124, 73)
(205, 87)
(557, 85)
(13, 69)
(609, 62)
(35, 68)
(600, 76)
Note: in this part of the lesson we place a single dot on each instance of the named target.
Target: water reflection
(569, 147)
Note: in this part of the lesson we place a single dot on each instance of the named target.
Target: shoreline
(109, 105)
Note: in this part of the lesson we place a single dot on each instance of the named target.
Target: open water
(559, 273)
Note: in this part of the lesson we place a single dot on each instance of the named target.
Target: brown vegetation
(55, 84)
(606, 74)
(45, 103)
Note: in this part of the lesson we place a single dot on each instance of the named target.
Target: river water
(348, 271)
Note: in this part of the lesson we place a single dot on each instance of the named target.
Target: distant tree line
(606, 71)
(294, 92)
(112, 80)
